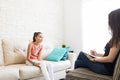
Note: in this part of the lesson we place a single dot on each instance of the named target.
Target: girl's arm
(39, 56)
(29, 53)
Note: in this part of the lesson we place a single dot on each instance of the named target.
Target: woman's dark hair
(35, 35)
(114, 24)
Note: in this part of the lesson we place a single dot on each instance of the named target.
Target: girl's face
(39, 38)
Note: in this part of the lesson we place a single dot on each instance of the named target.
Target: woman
(106, 63)
(34, 56)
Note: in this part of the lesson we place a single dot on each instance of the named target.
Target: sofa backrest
(14, 50)
(1, 55)
(47, 48)
(116, 75)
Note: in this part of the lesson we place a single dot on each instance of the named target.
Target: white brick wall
(23, 17)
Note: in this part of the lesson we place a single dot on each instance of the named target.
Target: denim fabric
(83, 61)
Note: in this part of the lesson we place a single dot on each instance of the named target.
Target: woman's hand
(90, 58)
(93, 52)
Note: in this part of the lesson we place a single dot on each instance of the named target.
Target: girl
(34, 56)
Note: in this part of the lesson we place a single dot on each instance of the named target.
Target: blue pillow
(64, 57)
(66, 54)
(56, 54)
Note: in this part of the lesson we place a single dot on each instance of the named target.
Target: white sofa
(13, 57)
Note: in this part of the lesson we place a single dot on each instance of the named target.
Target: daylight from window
(95, 23)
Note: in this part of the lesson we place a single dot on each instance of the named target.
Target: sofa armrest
(72, 58)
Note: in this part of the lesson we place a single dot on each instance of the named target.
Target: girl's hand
(37, 64)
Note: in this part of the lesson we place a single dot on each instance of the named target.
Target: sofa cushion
(9, 73)
(14, 50)
(1, 54)
(27, 72)
(61, 65)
